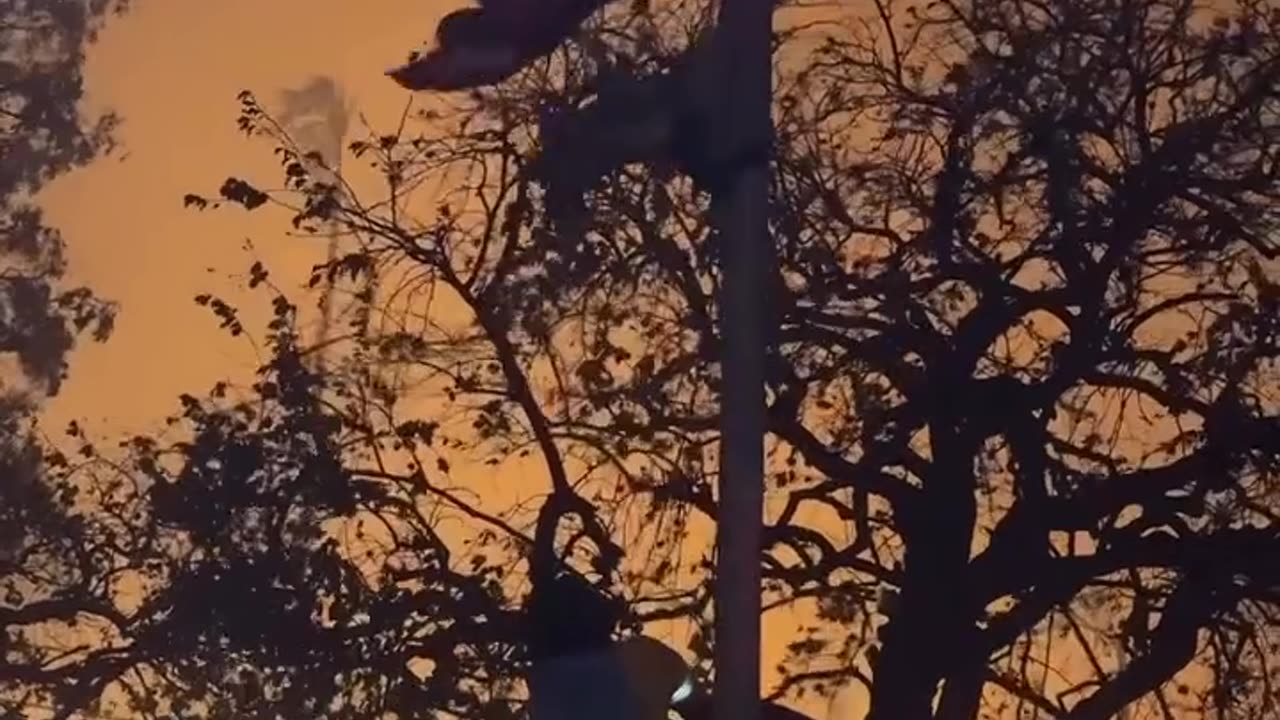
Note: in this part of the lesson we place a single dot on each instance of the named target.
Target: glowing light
(683, 692)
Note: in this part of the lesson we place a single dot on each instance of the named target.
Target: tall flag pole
(316, 116)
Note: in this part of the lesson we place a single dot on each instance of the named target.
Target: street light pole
(502, 38)
(741, 215)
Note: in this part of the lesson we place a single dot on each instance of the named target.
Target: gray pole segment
(316, 115)
(741, 207)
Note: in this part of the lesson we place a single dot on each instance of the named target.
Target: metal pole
(316, 115)
(326, 300)
(741, 215)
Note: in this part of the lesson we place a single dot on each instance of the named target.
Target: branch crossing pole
(741, 216)
(480, 46)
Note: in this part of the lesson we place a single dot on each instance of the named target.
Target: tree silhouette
(1022, 395)
(42, 136)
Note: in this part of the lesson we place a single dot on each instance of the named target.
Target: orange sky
(172, 69)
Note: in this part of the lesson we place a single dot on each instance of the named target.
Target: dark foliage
(42, 135)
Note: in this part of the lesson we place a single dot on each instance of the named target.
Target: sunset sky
(172, 70)
(1065, 379)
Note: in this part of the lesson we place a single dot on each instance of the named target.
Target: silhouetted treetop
(42, 135)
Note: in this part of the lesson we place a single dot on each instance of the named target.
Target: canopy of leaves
(42, 135)
(1023, 396)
